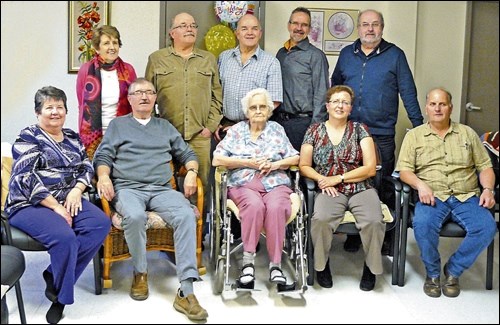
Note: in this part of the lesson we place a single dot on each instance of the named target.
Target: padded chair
(15, 237)
(391, 210)
(13, 266)
(160, 236)
(450, 229)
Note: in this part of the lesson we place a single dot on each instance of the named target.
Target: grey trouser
(171, 206)
(329, 212)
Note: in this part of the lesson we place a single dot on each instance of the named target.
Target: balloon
(219, 38)
(230, 11)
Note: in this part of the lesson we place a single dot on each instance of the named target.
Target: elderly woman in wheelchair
(257, 154)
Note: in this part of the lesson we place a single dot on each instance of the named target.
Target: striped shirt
(262, 70)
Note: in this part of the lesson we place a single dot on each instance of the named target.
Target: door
(480, 105)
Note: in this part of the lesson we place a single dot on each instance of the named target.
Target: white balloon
(230, 11)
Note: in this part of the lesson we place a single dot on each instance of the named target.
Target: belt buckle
(285, 116)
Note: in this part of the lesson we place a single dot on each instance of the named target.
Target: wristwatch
(193, 170)
(489, 189)
(342, 178)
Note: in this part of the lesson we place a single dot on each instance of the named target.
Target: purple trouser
(262, 210)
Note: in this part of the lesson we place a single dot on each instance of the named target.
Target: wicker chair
(160, 237)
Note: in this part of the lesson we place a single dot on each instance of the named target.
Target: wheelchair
(225, 240)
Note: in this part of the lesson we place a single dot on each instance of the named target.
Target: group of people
(262, 112)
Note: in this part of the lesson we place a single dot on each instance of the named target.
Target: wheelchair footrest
(245, 286)
(285, 287)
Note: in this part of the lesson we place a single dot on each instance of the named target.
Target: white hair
(245, 101)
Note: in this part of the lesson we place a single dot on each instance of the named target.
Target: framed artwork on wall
(333, 29)
(83, 18)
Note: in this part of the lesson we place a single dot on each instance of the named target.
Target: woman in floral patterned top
(340, 156)
(258, 152)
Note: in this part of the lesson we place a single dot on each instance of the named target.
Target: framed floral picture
(84, 17)
(333, 29)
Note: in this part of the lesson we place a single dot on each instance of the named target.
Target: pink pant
(262, 210)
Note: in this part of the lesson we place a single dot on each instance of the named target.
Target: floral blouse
(329, 159)
(45, 167)
(271, 143)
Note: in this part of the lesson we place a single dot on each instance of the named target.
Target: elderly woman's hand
(266, 166)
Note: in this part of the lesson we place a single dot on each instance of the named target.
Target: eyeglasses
(261, 108)
(297, 24)
(343, 102)
(373, 25)
(185, 27)
(139, 93)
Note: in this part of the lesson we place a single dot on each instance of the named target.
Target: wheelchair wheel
(214, 230)
(310, 255)
(218, 280)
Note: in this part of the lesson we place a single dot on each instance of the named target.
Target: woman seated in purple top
(257, 152)
(50, 173)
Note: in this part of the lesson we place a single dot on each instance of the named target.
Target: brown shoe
(451, 287)
(139, 289)
(190, 307)
(432, 287)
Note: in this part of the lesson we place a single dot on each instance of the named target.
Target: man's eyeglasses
(343, 102)
(185, 27)
(297, 24)
(139, 93)
(373, 25)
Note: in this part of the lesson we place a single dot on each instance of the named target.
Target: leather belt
(288, 116)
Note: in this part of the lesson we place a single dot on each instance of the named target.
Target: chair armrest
(6, 231)
(396, 183)
(309, 183)
(406, 188)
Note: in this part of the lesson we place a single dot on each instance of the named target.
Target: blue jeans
(476, 220)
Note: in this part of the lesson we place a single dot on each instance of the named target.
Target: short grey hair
(371, 10)
(245, 101)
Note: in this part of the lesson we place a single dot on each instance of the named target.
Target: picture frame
(83, 18)
(333, 29)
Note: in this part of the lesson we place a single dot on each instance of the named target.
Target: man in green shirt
(189, 89)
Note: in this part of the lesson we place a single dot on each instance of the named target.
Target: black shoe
(352, 243)
(55, 312)
(324, 277)
(367, 279)
(50, 290)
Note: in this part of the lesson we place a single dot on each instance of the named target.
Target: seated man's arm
(425, 193)
(487, 181)
(104, 184)
(190, 185)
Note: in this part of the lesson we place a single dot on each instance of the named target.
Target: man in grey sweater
(133, 169)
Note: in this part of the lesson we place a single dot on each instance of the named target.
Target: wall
(35, 36)
(35, 49)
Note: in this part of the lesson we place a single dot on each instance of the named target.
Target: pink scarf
(90, 120)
